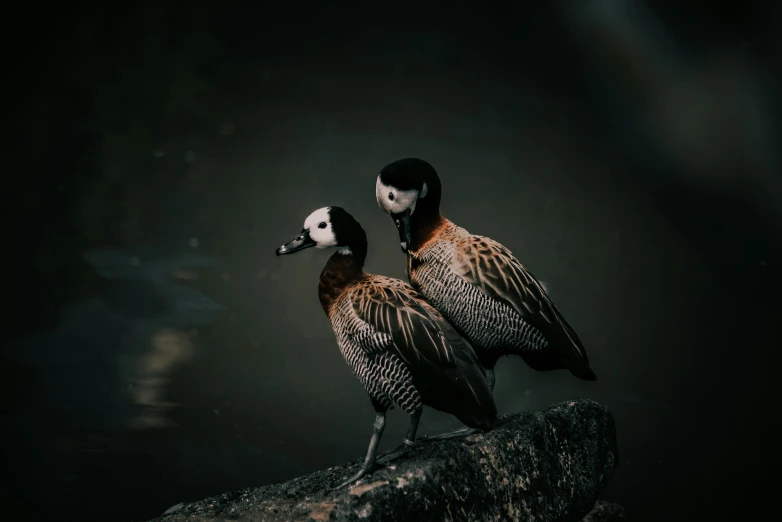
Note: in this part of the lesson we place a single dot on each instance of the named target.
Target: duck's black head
(408, 187)
(329, 227)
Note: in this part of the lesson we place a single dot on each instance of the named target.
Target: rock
(549, 465)
(174, 508)
(605, 512)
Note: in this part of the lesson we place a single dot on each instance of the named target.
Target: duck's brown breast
(339, 274)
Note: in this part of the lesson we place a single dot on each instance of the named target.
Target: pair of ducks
(434, 341)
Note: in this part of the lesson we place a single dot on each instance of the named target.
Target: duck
(475, 282)
(398, 346)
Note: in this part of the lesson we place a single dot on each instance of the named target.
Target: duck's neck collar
(423, 227)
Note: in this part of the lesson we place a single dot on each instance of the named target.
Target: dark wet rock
(605, 512)
(549, 465)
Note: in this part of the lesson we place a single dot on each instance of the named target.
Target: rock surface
(605, 512)
(549, 465)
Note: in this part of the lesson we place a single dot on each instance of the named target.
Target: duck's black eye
(391, 196)
(322, 224)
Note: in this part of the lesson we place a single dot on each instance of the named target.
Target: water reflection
(157, 344)
(131, 387)
(169, 348)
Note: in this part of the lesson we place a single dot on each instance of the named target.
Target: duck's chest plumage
(384, 376)
(489, 324)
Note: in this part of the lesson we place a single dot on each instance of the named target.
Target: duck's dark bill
(402, 222)
(300, 242)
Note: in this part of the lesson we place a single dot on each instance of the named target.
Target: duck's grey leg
(409, 441)
(369, 460)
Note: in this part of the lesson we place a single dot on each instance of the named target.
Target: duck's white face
(318, 224)
(318, 232)
(395, 201)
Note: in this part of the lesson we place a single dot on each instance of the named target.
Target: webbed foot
(403, 451)
(362, 472)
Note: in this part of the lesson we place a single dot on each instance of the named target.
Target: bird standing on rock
(399, 347)
(475, 282)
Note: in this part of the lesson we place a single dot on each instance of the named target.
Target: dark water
(156, 350)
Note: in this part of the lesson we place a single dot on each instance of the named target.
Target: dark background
(156, 351)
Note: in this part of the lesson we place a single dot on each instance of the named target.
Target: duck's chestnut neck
(343, 268)
(423, 227)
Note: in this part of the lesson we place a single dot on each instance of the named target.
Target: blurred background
(155, 350)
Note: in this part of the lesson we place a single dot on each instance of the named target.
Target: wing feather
(417, 330)
(492, 268)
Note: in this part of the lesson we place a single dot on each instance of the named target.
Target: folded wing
(493, 269)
